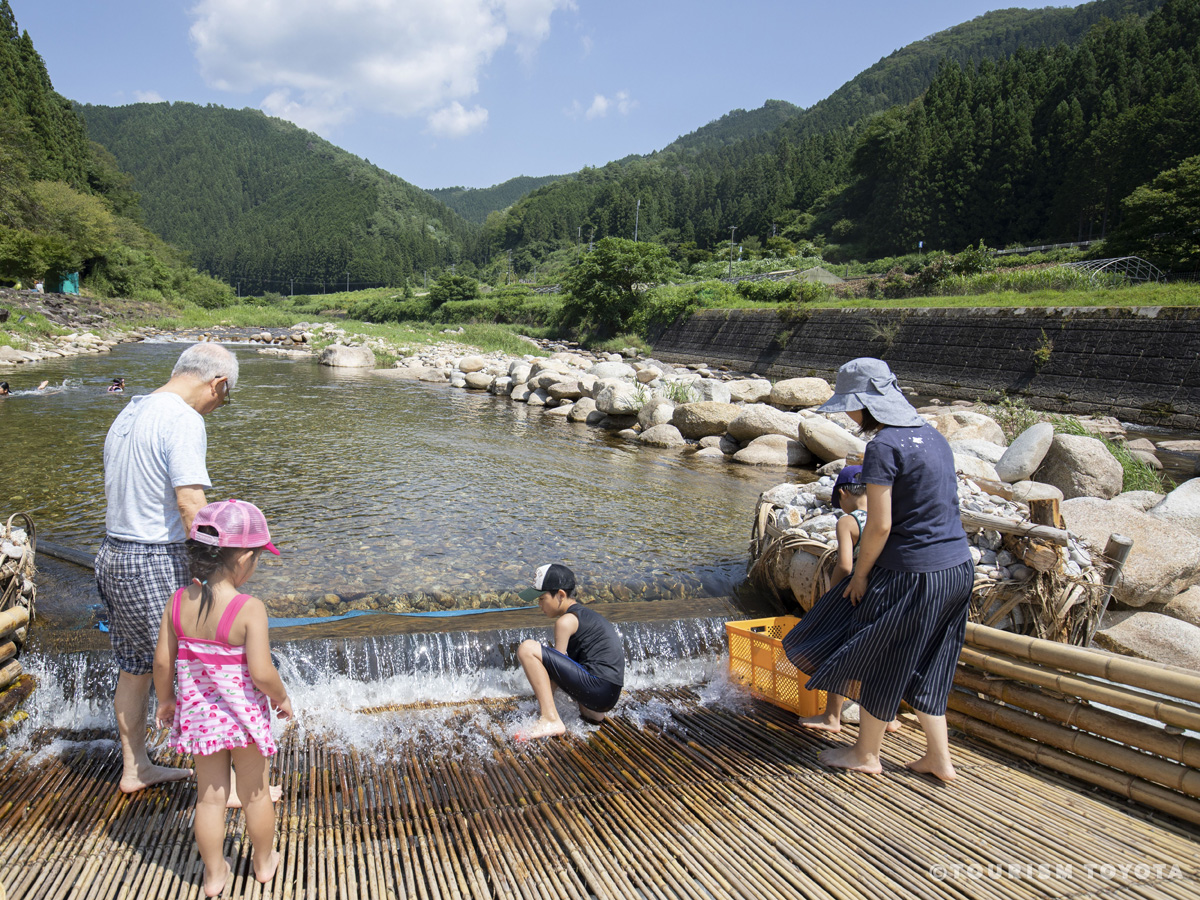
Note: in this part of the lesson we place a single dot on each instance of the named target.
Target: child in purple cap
(214, 676)
(587, 660)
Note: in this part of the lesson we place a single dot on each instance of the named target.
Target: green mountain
(268, 206)
(734, 126)
(475, 204)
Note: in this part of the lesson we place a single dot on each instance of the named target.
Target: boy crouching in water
(587, 660)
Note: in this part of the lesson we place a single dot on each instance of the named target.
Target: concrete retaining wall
(1141, 365)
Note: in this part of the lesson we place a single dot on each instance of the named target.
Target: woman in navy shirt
(894, 629)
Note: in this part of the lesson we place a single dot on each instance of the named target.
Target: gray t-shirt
(156, 444)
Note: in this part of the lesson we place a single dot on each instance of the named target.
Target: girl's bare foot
(823, 722)
(943, 771)
(235, 802)
(848, 758)
(542, 728)
(151, 775)
(266, 872)
(214, 887)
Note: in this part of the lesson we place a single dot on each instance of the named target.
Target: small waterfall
(380, 693)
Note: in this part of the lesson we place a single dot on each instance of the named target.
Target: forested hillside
(266, 205)
(474, 204)
(779, 182)
(65, 206)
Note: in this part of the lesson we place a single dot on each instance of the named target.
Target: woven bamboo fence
(1126, 725)
(698, 800)
(17, 599)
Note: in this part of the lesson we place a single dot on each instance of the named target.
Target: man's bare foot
(151, 775)
(848, 758)
(267, 871)
(893, 726)
(235, 802)
(942, 771)
(542, 728)
(215, 886)
(823, 722)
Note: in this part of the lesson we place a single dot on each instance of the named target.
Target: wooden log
(1082, 715)
(1040, 556)
(1012, 526)
(8, 650)
(1116, 551)
(1166, 711)
(13, 618)
(15, 695)
(9, 673)
(1174, 682)
(1046, 512)
(1136, 789)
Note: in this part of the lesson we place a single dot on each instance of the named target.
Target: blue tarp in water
(434, 614)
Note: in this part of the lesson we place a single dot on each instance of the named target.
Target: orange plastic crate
(757, 660)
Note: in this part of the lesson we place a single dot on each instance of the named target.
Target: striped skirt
(901, 642)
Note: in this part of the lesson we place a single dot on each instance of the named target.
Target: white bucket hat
(869, 383)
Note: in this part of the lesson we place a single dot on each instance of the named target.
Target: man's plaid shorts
(135, 582)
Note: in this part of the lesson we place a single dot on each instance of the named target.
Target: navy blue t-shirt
(596, 646)
(927, 533)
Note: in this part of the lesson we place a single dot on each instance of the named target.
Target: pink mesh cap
(238, 524)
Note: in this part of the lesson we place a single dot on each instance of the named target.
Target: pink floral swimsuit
(217, 705)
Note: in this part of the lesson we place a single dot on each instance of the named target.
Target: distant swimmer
(4, 391)
(43, 385)
(117, 386)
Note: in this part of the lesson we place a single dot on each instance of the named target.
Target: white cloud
(147, 97)
(601, 105)
(454, 121)
(319, 62)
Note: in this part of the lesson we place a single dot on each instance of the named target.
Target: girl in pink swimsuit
(214, 676)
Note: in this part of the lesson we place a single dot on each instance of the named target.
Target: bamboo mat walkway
(708, 802)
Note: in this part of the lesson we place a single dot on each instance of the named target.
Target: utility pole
(508, 274)
(578, 239)
(637, 215)
(732, 229)
(347, 282)
(293, 293)
(239, 290)
(592, 240)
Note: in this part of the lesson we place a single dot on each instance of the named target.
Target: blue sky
(474, 92)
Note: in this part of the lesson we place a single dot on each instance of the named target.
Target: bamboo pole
(9, 673)
(1168, 711)
(13, 618)
(1011, 526)
(1126, 670)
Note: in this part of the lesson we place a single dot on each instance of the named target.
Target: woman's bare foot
(267, 871)
(215, 886)
(235, 802)
(148, 776)
(943, 771)
(848, 758)
(542, 728)
(823, 722)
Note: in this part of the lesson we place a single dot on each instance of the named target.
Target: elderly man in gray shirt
(154, 481)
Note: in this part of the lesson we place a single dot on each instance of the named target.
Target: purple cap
(237, 523)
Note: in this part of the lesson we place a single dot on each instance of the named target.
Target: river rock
(1148, 458)
(565, 390)
(1181, 505)
(612, 370)
(458, 379)
(826, 440)
(711, 389)
(521, 392)
(722, 442)
(647, 374)
(617, 398)
(543, 380)
(697, 420)
(965, 424)
(583, 407)
(341, 356)
(709, 453)
(500, 386)
(537, 398)
(773, 450)
(1141, 444)
(757, 419)
(1153, 636)
(656, 411)
(1185, 606)
(470, 364)
(1025, 491)
(987, 451)
(478, 381)
(662, 436)
(1081, 467)
(975, 468)
(800, 392)
(1026, 453)
(519, 371)
(749, 390)
(548, 364)
(563, 410)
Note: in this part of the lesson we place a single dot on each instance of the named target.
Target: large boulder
(612, 370)
(757, 419)
(1081, 467)
(965, 424)
(656, 411)
(1154, 636)
(618, 398)
(975, 468)
(801, 392)
(479, 381)
(470, 364)
(828, 441)
(711, 389)
(1185, 606)
(1024, 491)
(987, 451)
(341, 356)
(697, 420)
(1025, 453)
(662, 436)
(568, 389)
(749, 390)
(773, 450)
(1182, 504)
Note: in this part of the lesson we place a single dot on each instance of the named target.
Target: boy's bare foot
(151, 775)
(214, 887)
(267, 871)
(848, 758)
(893, 726)
(593, 717)
(823, 722)
(235, 802)
(942, 771)
(542, 728)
